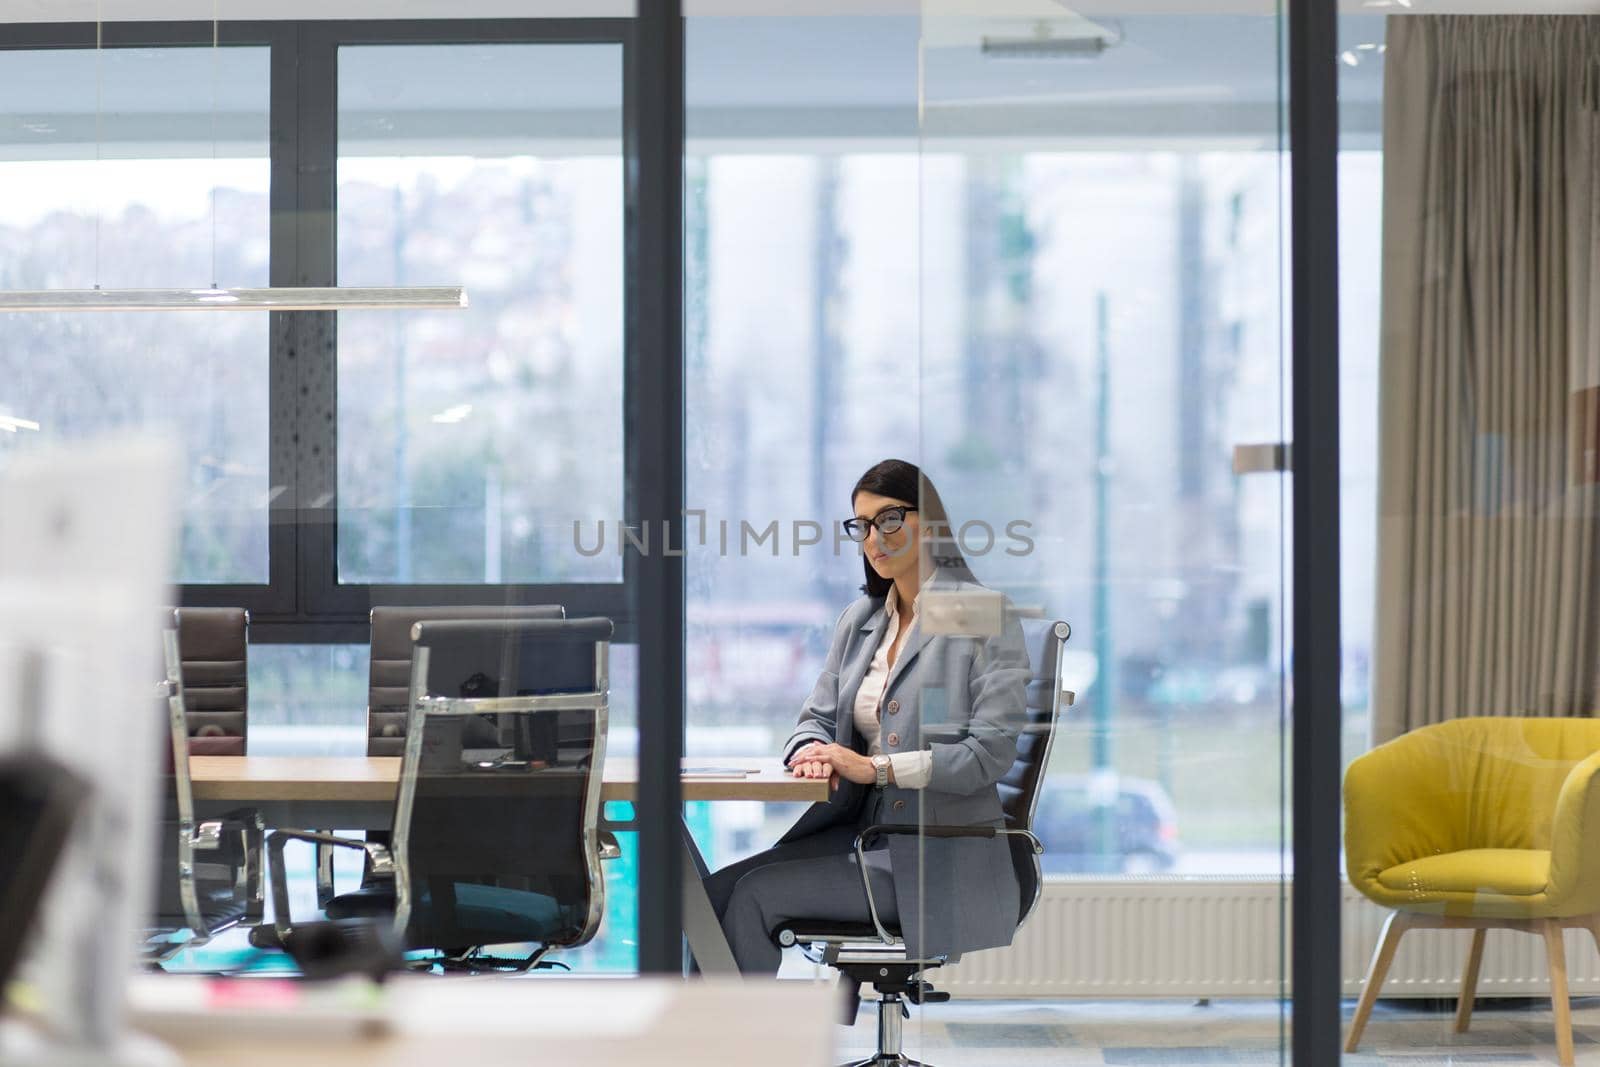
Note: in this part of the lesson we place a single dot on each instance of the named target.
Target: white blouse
(912, 770)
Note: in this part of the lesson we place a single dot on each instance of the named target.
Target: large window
(169, 188)
(471, 443)
(334, 461)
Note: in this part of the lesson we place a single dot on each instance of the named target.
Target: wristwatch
(880, 763)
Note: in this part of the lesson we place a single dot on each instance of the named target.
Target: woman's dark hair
(899, 480)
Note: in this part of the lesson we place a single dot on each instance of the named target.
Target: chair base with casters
(875, 954)
(1550, 930)
(235, 894)
(377, 901)
(855, 951)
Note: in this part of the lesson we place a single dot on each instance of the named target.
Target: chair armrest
(1378, 833)
(382, 867)
(1574, 885)
(936, 830)
(246, 821)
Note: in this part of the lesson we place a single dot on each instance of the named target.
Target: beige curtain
(1489, 371)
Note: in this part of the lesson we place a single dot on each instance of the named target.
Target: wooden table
(357, 793)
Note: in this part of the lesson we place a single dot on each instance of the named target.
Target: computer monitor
(87, 538)
(38, 799)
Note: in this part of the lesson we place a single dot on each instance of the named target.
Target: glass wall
(1043, 255)
(471, 452)
(1104, 326)
(1052, 279)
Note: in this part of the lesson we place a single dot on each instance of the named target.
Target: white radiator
(1219, 937)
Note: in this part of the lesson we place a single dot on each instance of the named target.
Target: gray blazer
(964, 699)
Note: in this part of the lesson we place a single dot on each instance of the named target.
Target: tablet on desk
(717, 772)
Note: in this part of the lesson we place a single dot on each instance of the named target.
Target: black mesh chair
(388, 695)
(496, 834)
(209, 876)
(389, 670)
(875, 952)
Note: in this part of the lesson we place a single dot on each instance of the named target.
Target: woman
(909, 728)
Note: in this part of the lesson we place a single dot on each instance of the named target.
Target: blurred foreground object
(87, 541)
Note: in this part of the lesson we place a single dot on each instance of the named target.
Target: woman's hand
(846, 763)
(813, 769)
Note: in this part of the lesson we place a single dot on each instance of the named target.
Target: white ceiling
(752, 83)
(182, 10)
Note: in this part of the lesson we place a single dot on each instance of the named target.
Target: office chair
(388, 691)
(214, 644)
(209, 877)
(496, 834)
(389, 673)
(875, 952)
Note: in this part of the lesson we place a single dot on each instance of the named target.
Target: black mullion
(654, 103)
(190, 33)
(1314, 310)
(316, 425)
(283, 357)
(193, 32)
(477, 31)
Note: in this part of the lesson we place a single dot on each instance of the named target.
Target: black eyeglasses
(888, 521)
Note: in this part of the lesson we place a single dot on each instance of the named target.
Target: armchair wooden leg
(1557, 951)
(1469, 982)
(1394, 927)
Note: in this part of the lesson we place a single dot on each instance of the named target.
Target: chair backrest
(213, 644)
(389, 676)
(172, 909)
(1019, 789)
(498, 812)
(201, 895)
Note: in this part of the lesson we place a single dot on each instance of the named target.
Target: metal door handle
(1271, 457)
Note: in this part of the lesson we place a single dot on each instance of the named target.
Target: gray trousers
(815, 877)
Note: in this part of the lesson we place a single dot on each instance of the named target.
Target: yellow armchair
(1478, 823)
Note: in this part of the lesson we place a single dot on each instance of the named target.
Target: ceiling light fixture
(11, 424)
(1042, 44)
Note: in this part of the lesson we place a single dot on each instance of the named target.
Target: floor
(1136, 1033)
